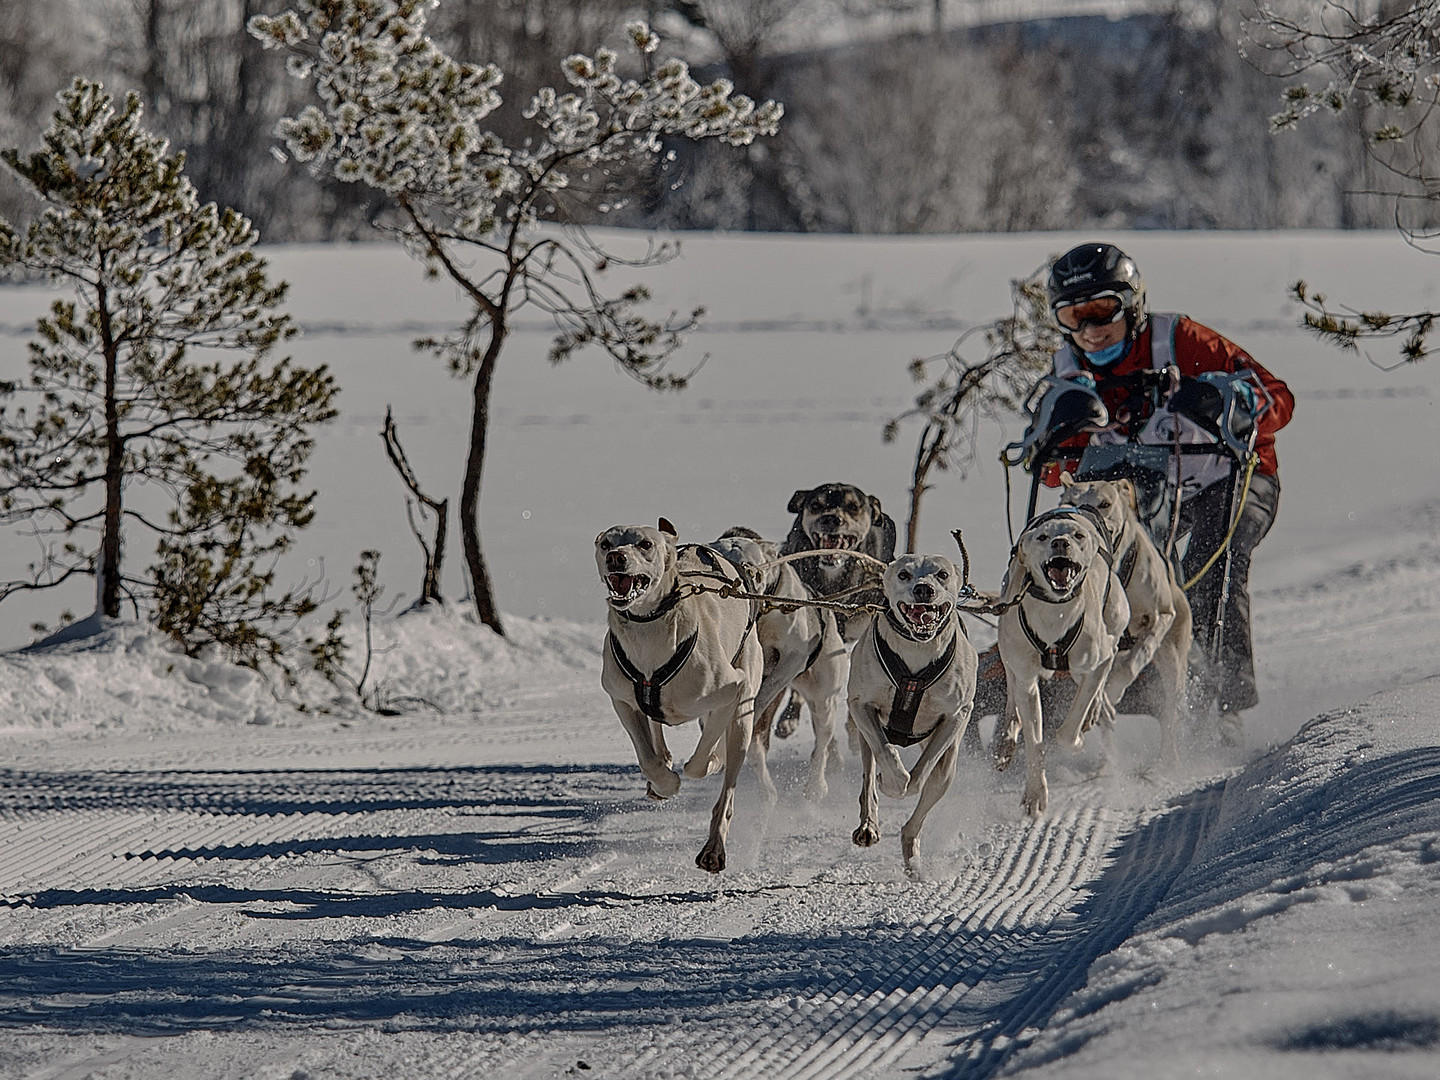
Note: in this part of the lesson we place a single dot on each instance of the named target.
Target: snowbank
(125, 676)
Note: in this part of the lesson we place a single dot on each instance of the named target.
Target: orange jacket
(1198, 349)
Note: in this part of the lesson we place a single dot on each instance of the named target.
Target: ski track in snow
(480, 904)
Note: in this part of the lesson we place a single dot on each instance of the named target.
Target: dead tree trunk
(434, 554)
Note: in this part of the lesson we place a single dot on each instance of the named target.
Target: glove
(1085, 379)
(1245, 391)
(1240, 385)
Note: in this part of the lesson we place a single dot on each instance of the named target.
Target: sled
(1156, 472)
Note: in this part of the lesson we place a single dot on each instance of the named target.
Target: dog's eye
(943, 575)
(604, 545)
(1104, 504)
(645, 545)
(903, 575)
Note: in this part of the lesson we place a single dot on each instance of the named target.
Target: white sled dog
(672, 657)
(803, 651)
(912, 680)
(1067, 616)
(1159, 629)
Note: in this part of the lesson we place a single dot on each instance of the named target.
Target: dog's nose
(615, 561)
(1060, 543)
(924, 592)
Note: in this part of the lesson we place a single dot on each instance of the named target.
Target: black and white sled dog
(912, 681)
(838, 518)
(673, 656)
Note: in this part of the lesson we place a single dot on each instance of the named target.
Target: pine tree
(399, 114)
(135, 418)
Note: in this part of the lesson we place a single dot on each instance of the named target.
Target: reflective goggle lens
(1101, 311)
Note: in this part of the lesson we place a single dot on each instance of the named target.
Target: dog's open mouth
(925, 620)
(626, 588)
(1062, 573)
(834, 542)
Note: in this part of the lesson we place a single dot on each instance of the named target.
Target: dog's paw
(1035, 800)
(867, 835)
(894, 777)
(910, 854)
(698, 768)
(816, 788)
(1002, 750)
(712, 857)
(664, 789)
(789, 719)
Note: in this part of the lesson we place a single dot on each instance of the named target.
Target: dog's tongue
(621, 585)
(925, 617)
(1061, 574)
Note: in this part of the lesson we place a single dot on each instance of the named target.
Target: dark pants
(1203, 518)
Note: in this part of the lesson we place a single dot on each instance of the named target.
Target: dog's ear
(667, 528)
(1127, 488)
(1066, 480)
(798, 500)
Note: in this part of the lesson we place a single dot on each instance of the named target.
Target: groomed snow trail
(438, 882)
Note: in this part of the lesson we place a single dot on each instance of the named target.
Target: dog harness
(1055, 656)
(910, 687)
(647, 690)
(1125, 571)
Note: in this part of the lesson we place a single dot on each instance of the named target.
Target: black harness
(1125, 571)
(647, 689)
(910, 687)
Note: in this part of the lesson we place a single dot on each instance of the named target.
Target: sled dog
(1159, 629)
(1068, 613)
(672, 656)
(839, 517)
(802, 650)
(912, 681)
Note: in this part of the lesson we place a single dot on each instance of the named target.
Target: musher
(1097, 297)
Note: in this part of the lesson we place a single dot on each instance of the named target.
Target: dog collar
(1033, 589)
(910, 687)
(662, 609)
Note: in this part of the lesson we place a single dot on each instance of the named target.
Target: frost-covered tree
(134, 416)
(1377, 61)
(399, 114)
(964, 386)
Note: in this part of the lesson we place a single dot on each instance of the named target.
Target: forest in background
(1153, 120)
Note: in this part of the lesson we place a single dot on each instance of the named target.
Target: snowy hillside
(201, 882)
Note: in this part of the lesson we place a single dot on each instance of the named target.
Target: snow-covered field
(199, 881)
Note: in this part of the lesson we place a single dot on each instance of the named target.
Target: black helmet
(1095, 270)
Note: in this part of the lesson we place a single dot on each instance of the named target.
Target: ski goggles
(1094, 311)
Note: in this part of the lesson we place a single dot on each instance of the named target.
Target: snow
(200, 880)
